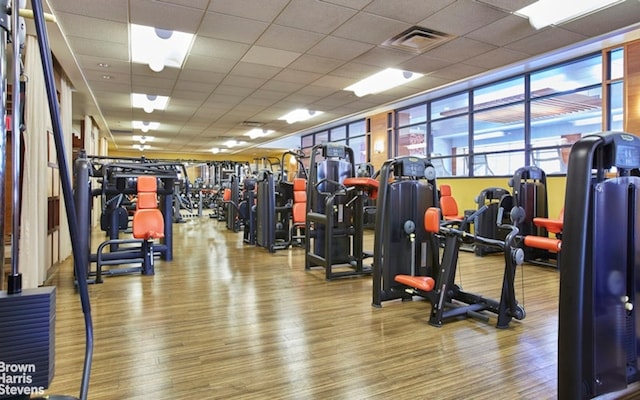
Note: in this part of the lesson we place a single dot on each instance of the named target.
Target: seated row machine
(335, 212)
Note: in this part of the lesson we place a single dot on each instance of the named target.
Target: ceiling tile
(496, 58)
(460, 49)
(339, 48)
(164, 15)
(607, 20)
(296, 76)
(359, 28)
(314, 15)
(545, 40)
(209, 64)
(270, 56)
(101, 29)
(424, 64)
(409, 11)
(98, 48)
(462, 17)
(218, 48)
(503, 31)
(197, 4)
(290, 39)
(384, 57)
(112, 10)
(255, 70)
(507, 5)
(457, 71)
(231, 28)
(254, 9)
(310, 63)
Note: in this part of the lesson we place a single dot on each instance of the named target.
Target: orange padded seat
(148, 221)
(448, 204)
(551, 225)
(365, 184)
(424, 283)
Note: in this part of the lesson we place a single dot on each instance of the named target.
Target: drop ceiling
(255, 60)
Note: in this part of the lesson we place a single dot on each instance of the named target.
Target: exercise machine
(401, 244)
(598, 330)
(152, 184)
(485, 223)
(447, 299)
(333, 225)
(529, 185)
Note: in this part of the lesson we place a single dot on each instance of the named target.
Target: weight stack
(27, 341)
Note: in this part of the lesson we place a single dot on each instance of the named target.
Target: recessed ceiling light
(149, 102)
(103, 65)
(552, 12)
(300, 114)
(257, 133)
(383, 80)
(145, 126)
(159, 48)
(107, 77)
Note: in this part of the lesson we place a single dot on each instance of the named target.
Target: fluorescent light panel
(299, 115)
(233, 143)
(145, 126)
(149, 102)
(159, 48)
(554, 12)
(258, 133)
(383, 80)
(142, 138)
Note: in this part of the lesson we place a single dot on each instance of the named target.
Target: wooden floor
(228, 320)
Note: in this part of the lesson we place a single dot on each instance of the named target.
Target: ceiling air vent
(254, 124)
(418, 40)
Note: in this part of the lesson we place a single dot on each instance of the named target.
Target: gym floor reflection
(225, 319)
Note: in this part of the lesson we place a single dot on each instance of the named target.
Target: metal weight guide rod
(79, 256)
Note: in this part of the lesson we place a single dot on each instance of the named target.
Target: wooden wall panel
(379, 133)
(632, 88)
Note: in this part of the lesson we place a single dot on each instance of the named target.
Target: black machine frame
(598, 332)
(334, 223)
(117, 179)
(399, 228)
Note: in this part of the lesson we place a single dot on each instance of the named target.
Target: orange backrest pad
(432, 220)
(226, 195)
(299, 209)
(147, 183)
(448, 204)
(445, 190)
(147, 200)
(299, 190)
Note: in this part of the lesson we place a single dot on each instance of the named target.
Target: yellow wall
(178, 156)
(465, 190)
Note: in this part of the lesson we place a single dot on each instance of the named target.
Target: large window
(530, 119)
(352, 134)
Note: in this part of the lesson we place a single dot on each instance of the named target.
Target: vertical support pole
(67, 190)
(4, 21)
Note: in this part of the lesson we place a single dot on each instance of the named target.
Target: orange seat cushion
(424, 283)
(148, 224)
(368, 185)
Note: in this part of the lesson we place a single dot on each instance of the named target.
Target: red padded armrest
(551, 225)
(369, 185)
